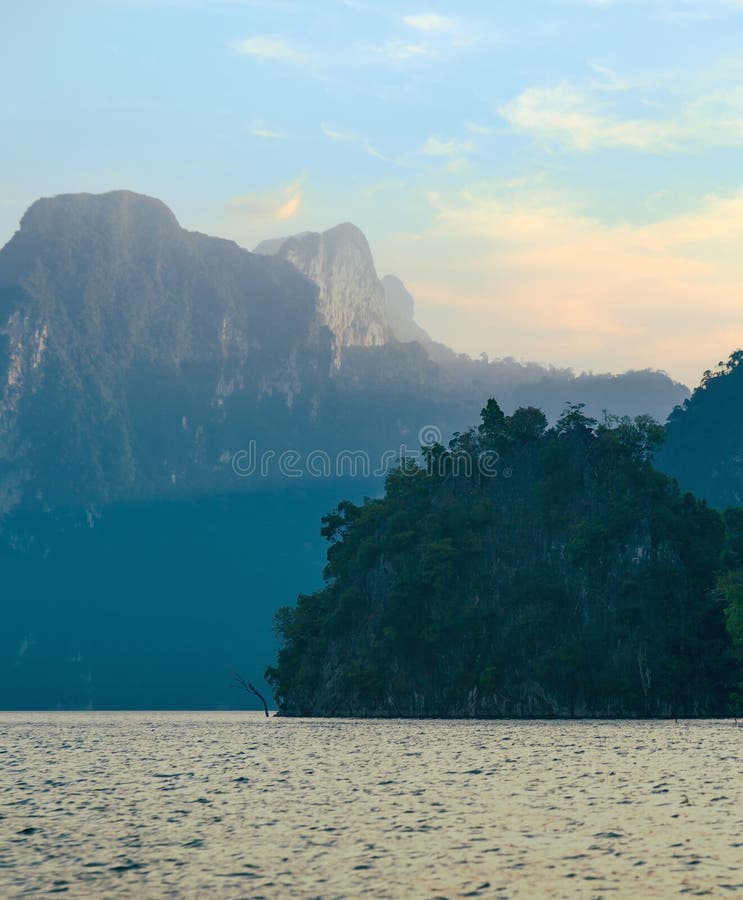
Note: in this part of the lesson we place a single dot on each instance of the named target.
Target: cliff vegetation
(522, 570)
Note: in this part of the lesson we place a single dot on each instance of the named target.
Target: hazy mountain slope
(136, 354)
(379, 352)
(399, 307)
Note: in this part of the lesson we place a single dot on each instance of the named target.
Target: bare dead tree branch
(250, 689)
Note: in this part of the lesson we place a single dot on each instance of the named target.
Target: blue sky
(557, 180)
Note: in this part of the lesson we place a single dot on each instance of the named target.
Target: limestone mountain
(360, 308)
(135, 353)
(352, 299)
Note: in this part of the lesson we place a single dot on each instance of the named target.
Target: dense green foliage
(522, 570)
(704, 442)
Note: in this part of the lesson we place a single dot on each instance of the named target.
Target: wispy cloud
(278, 205)
(564, 285)
(447, 34)
(269, 47)
(434, 146)
(565, 114)
(350, 137)
(397, 50)
(580, 119)
(435, 37)
(289, 209)
(261, 130)
(431, 22)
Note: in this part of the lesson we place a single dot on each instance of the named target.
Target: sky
(554, 180)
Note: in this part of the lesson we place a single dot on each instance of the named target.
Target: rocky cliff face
(361, 309)
(352, 299)
(136, 354)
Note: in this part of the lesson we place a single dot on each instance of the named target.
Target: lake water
(236, 805)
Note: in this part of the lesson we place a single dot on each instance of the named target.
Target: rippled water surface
(236, 805)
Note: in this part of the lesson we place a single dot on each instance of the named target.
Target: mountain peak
(360, 308)
(340, 262)
(120, 208)
(115, 323)
(348, 233)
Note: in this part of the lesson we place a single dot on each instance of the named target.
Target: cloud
(269, 47)
(259, 129)
(534, 276)
(578, 119)
(289, 209)
(283, 203)
(397, 51)
(431, 22)
(350, 137)
(434, 146)
(567, 115)
(436, 38)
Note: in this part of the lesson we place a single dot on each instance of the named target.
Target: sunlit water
(236, 805)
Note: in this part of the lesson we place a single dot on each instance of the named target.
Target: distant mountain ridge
(387, 350)
(136, 357)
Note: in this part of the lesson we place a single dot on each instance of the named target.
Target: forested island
(523, 570)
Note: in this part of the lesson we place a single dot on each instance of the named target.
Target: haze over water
(233, 804)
